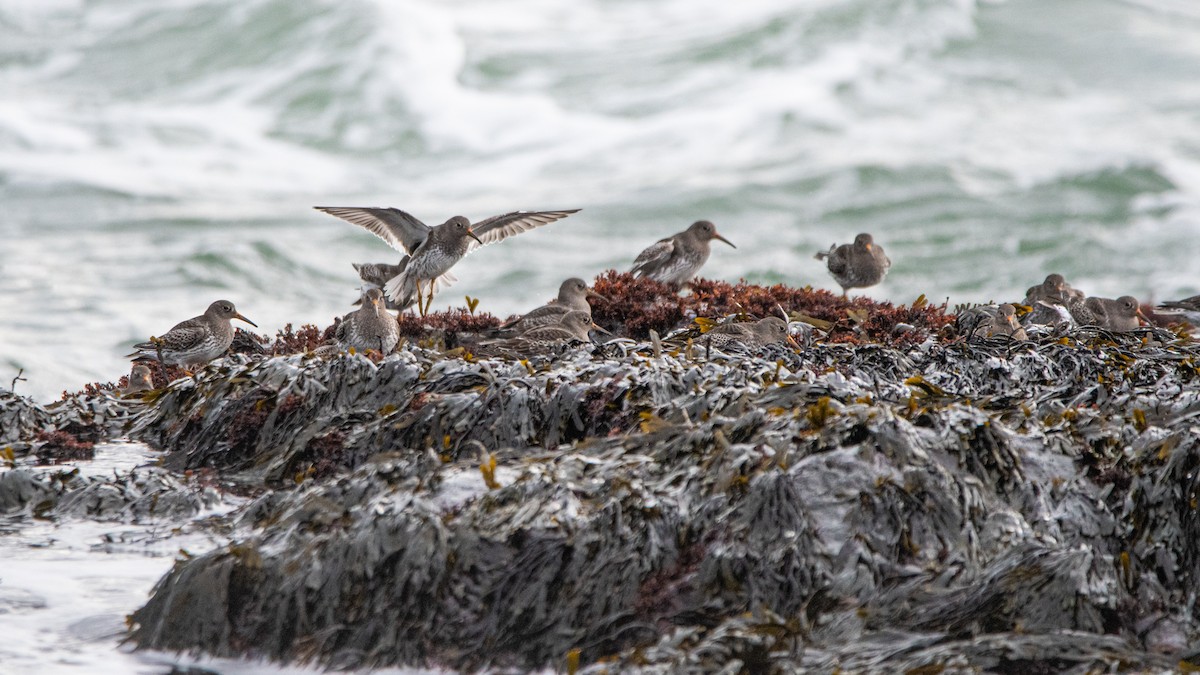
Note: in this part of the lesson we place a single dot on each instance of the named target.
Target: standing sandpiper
(370, 326)
(432, 251)
(195, 341)
(676, 259)
(856, 265)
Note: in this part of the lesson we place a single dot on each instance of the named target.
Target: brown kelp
(892, 496)
(995, 504)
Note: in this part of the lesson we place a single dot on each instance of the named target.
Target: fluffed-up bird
(856, 265)
(370, 326)
(573, 295)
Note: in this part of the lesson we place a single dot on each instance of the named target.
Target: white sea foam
(167, 153)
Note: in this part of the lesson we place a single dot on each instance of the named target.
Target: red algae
(637, 306)
(62, 446)
(306, 339)
(450, 321)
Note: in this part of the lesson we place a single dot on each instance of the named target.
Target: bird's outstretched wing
(402, 231)
(499, 228)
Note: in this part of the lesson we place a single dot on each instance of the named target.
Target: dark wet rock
(140, 495)
(1000, 506)
(20, 418)
(22, 490)
(64, 430)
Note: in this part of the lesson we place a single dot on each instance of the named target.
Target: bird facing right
(196, 341)
(1119, 316)
(676, 259)
(856, 265)
(573, 295)
(761, 333)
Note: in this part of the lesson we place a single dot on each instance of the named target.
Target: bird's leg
(420, 300)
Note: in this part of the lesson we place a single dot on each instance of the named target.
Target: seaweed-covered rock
(993, 505)
(136, 496)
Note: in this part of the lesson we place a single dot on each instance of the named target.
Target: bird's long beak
(792, 341)
(471, 234)
(870, 247)
(1144, 318)
(596, 327)
(717, 236)
(239, 316)
(593, 294)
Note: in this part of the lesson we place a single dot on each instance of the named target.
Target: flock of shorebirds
(429, 253)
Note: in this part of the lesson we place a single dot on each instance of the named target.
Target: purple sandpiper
(195, 341)
(376, 275)
(1047, 299)
(370, 326)
(1187, 309)
(998, 321)
(573, 295)
(761, 333)
(676, 259)
(574, 326)
(139, 380)
(1119, 316)
(856, 265)
(432, 251)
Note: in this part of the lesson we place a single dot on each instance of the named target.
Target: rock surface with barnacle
(873, 502)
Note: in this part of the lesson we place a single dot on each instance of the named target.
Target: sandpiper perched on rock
(139, 380)
(993, 321)
(676, 259)
(195, 341)
(856, 265)
(573, 295)
(376, 275)
(1119, 316)
(1047, 299)
(574, 326)
(432, 251)
(1187, 309)
(761, 333)
(370, 326)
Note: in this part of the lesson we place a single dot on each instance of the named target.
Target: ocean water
(156, 155)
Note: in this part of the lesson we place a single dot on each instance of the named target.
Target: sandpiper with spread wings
(432, 251)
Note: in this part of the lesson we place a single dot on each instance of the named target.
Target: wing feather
(402, 231)
(499, 228)
(654, 256)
